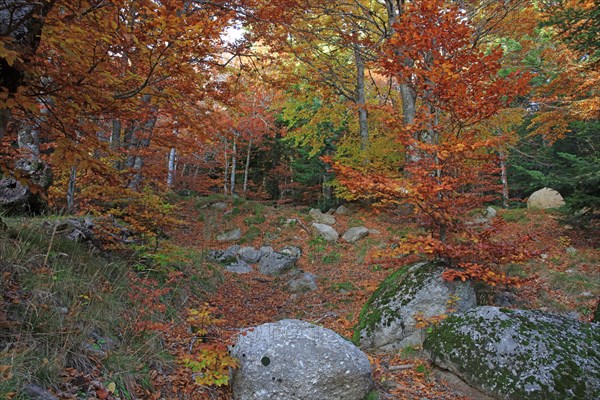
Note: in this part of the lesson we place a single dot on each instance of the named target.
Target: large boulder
(409, 297)
(321, 218)
(326, 232)
(296, 360)
(545, 198)
(276, 263)
(517, 354)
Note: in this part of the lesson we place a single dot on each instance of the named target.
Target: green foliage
(251, 234)
(72, 301)
(570, 165)
(332, 258)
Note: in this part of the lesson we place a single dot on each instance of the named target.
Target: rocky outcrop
(326, 232)
(296, 360)
(518, 354)
(390, 319)
(545, 198)
(238, 259)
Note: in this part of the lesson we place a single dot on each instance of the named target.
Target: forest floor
(565, 278)
(87, 327)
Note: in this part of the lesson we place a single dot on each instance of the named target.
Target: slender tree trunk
(172, 168)
(247, 167)
(226, 174)
(71, 190)
(504, 179)
(233, 165)
(361, 98)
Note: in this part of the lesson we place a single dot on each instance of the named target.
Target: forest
(140, 139)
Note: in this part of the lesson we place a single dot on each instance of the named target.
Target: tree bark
(504, 179)
(172, 168)
(71, 190)
(22, 22)
(233, 164)
(361, 98)
(247, 167)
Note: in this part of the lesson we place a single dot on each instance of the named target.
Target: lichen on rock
(519, 354)
(390, 319)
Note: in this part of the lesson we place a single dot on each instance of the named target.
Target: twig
(50, 245)
(400, 367)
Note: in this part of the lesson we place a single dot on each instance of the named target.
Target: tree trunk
(233, 165)
(71, 190)
(504, 179)
(226, 174)
(247, 167)
(172, 168)
(21, 22)
(361, 98)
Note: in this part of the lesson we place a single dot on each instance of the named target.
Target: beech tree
(450, 164)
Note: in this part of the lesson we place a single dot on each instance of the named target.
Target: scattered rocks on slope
(321, 218)
(296, 360)
(388, 320)
(518, 354)
(545, 198)
(326, 232)
(304, 282)
(354, 234)
(230, 236)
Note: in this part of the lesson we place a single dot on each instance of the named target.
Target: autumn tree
(450, 166)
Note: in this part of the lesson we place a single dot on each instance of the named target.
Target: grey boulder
(519, 354)
(545, 198)
(239, 267)
(250, 254)
(321, 218)
(326, 232)
(304, 282)
(390, 318)
(356, 233)
(276, 263)
(296, 360)
(230, 236)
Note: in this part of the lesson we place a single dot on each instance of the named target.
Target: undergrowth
(70, 314)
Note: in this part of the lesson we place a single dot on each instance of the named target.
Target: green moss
(377, 307)
(553, 357)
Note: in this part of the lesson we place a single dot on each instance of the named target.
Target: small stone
(219, 205)
(292, 251)
(571, 250)
(305, 282)
(321, 218)
(239, 267)
(326, 232)
(230, 236)
(354, 234)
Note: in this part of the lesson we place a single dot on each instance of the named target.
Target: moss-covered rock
(389, 319)
(518, 354)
